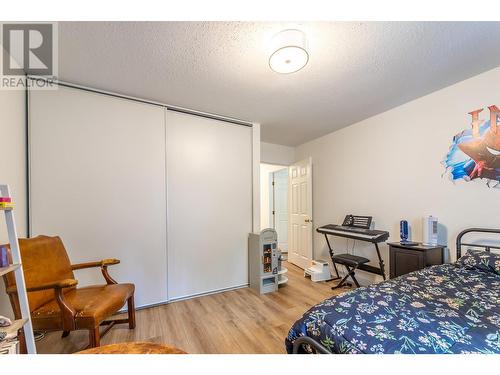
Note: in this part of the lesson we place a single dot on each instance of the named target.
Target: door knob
(308, 220)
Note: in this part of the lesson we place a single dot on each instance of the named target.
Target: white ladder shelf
(17, 268)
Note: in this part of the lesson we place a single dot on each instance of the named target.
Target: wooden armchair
(54, 300)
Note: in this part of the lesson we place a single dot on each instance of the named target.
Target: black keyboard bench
(351, 263)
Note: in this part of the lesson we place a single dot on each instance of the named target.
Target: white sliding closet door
(209, 180)
(98, 181)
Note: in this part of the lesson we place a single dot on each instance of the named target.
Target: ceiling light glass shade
(289, 52)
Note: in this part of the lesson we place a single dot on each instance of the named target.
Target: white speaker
(430, 230)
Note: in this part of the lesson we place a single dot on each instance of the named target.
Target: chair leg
(350, 273)
(131, 312)
(343, 281)
(65, 334)
(23, 349)
(94, 337)
(354, 279)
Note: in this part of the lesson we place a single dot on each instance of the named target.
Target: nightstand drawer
(405, 259)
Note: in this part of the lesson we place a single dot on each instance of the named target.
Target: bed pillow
(481, 260)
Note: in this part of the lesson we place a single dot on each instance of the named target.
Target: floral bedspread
(441, 309)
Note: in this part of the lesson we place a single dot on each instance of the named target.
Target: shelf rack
(25, 321)
(11, 268)
(282, 276)
(13, 328)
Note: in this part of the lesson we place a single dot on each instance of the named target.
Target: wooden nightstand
(405, 259)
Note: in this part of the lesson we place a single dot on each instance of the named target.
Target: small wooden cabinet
(405, 259)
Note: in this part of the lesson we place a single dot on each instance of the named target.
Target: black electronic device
(348, 221)
(357, 221)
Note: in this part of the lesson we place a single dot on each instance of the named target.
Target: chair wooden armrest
(61, 284)
(101, 263)
(67, 311)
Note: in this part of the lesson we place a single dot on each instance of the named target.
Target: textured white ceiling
(355, 70)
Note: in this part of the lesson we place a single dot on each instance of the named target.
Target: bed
(449, 308)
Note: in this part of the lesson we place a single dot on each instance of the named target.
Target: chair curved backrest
(44, 260)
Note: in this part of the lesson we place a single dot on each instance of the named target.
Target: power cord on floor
(39, 335)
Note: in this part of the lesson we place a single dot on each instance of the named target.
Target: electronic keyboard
(356, 228)
(356, 233)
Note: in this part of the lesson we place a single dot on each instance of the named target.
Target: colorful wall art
(475, 152)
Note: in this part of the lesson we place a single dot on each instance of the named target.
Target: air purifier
(404, 231)
(430, 230)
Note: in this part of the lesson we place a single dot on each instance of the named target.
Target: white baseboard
(207, 293)
(183, 298)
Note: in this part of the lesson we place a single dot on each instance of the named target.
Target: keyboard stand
(364, 267)
(330, 250)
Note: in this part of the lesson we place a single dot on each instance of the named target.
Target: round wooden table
(134, 348)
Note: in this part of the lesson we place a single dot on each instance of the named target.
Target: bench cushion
(349, 259)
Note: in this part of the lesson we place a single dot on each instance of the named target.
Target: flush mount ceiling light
(289, 52)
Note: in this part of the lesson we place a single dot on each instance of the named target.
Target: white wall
(389, 166)
(276, 154)
(13, 168)
(265, 170)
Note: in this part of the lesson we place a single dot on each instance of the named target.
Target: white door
(280, 207)
(300, 217)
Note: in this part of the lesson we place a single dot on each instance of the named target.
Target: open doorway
(274, 202)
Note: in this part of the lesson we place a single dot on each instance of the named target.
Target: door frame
(272, 217)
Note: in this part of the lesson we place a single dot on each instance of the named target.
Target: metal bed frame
(476, 230)
(298, 346)
(318, 348)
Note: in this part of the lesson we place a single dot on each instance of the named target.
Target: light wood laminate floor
(238, 321)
